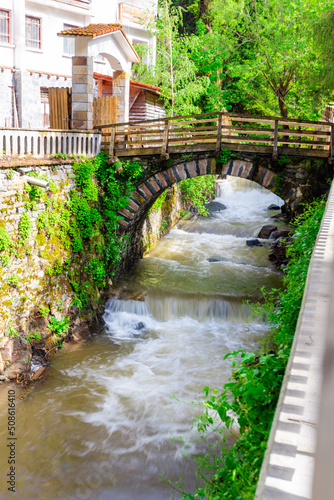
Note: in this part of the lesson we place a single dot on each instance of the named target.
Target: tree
(175, 71)
(273, 53)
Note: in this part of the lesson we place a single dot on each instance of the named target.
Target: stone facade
(121, 89)
(82, 93)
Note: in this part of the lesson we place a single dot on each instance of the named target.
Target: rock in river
(215, 206)
(254, 243)
(273, 207)
(266, 232)
(216, 259)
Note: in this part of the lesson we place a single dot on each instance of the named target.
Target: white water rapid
(101, 426)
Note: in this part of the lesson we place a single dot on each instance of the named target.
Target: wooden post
(219, 135)
(112, 155)
(164, 147)
(331, 158)
(275, 155)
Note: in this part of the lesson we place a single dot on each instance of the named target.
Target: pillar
(82, 93)
(121, 89)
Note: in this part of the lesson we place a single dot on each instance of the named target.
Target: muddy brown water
(101, 425)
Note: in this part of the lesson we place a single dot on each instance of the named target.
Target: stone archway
(110, 41)
(145, 194)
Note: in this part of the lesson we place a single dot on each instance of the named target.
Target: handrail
(217, 113)
(210, 130)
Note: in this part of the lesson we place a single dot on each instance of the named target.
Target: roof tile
(92, 30)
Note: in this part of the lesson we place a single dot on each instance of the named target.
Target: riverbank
(56, 273)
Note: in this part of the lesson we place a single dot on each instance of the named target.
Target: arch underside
(143, 197)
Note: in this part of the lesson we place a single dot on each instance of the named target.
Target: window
(4, 26)
(69, 43)
(33, 32)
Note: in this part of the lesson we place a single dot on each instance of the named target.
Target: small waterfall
(126, 319)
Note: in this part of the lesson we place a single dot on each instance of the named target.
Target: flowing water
(100, 426)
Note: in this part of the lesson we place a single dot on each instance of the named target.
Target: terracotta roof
(100, 76)
(145, 85)
(92, 30)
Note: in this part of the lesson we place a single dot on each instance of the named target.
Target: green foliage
(25, 226)
(56, 269)
(198, 191)
(11, 331)
(44, 311)
(157, 205)
(59, 327)
(283, 160)
(4, 240)
(117, 182)
(10, 174)
(96, 270)
(267, 58)
(35, 193)
(13, 281)
(33, 336)
(225, 156)
(5, 260)
(250, 397)
(63, 156)
(164, 225)
(175, 72)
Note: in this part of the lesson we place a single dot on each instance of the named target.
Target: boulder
(215, 206)
(216, 259)
(254, 243)
(280, 233)
(273, 207)
(266, 232)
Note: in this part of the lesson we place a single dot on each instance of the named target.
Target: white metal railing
(41, 142)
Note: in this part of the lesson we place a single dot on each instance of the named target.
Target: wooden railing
(214, 131)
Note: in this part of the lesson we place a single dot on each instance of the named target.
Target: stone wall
(28, 96)
(159, 222)
(25, 285)
(37, 254)
(28, 283)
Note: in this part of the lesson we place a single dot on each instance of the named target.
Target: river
(100, 426)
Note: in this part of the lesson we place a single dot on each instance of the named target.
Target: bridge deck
(216, 131)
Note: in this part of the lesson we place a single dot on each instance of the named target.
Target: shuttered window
(33, 32)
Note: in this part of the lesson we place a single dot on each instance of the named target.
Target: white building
(33, 58)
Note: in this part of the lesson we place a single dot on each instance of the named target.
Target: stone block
(80, 70)
(79, 60)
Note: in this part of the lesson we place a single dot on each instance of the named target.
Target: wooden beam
(219, 134)
(275, 141)
(164, 147)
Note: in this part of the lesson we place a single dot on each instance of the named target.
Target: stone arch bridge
(297, 181)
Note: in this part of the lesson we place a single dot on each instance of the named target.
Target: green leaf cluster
(25, 226)
(198, 191)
